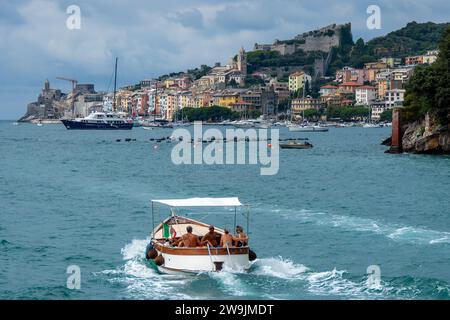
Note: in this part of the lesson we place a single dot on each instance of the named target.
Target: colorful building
(225, 98)
(349, 86)
(365, 95)
(299, 105)
(297, 80)
(328, 89)
(394, 97)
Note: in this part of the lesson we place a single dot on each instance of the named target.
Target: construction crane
(74, 85)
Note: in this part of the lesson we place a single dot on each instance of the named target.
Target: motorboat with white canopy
(170, 257)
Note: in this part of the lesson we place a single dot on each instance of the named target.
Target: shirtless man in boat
(188, 239)
(241, 238)
(210, 238)
(226, 238)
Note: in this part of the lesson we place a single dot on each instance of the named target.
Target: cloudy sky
(156, 37)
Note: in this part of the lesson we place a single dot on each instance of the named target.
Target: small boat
(170, 258)
(157, 123)
(252, 123)
(371, 125)
(137, 123)
(180, 124)
(294, 144)
(307, 128)
(243, 124)
(39, 124)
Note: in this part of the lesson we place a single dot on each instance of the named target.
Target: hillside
(413, 39)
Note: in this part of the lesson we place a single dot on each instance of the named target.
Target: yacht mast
(115, 85)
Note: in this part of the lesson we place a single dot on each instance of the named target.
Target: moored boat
(157, 123)
(172, 258)
(294, 144)
(307, 128)
(371, 125)
(99, 121)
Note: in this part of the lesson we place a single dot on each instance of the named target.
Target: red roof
(367, 87)
(328, 86)
(351, 84)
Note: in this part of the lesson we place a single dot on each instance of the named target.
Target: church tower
(46, 85)
(242, 61)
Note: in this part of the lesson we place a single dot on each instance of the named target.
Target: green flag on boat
(166, 230)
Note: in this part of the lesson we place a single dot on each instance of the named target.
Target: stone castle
(54, 104)
(323, 39)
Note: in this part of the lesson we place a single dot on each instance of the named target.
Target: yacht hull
(307, 129)
(77, 125)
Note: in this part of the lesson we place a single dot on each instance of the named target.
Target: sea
(343, 220)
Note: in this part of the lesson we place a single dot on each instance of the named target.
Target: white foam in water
(333, 283)
(420, 235)
(134, 249)
(142, 281)
(230, 283)
(397, 233)
(327, 283)
(279, 267)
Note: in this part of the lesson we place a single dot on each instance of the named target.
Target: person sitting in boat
(241, 238)
(188, 239)
(226, 239)
(210, 238)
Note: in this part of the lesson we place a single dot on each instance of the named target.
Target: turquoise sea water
(81, 198)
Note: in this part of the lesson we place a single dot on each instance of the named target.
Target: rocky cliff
(426, 137)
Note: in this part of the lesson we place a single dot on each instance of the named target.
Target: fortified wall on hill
(318, 40)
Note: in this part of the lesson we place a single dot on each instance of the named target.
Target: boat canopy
(201, 202)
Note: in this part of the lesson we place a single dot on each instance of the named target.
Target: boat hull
(196, 260)
(307, 129)
(77, 125)
(287, 146)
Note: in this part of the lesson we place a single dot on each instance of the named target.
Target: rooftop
(328, 86)
(351, 84)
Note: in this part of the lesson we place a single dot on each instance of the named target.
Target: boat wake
(398, 233)
(340, 284)
(268, 278)
(141, 279)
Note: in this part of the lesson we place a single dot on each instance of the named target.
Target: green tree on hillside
(428, 90)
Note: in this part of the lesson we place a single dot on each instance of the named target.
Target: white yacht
(307, 128)
(99, 121)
